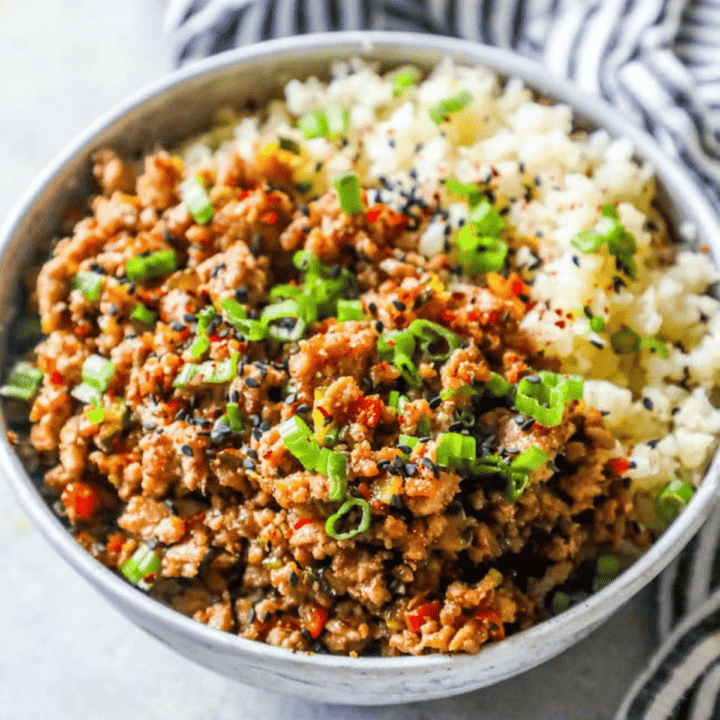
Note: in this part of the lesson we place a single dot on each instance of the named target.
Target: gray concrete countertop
(65, 653)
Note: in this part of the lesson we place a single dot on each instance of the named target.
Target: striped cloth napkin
(658, 62)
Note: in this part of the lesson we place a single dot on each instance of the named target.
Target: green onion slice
(439, 111)
(89, 283)
(348, 189)
(344, 509)
(349, 310)
(479, 254)
(402, 81)
(280, 311)
(485, 219)
(236, 315)
(498, 385)
(97, 372)
(196, 200)
(454, 449)
(545, 398)
(655, 345)
(299, 441)
(328, 123)
(607, 565)
(470, 190)
(142, 568)
(673, 498)
(23, 382)
(142, 314)
(289, 144)
(433, 337)
(96, 414)
(560, 602)
(597, 324)
(337, 119)
(234, 417)
(423, 426)
(143, 267)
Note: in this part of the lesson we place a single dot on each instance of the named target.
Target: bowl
(184, 103)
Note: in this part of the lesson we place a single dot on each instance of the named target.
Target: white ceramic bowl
(183, 103)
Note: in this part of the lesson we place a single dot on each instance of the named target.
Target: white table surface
(65, 654)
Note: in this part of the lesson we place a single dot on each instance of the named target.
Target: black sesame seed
(267, 616)
(303, 408)
(410, 469)
(379, 326)
(597, 344)
(177, 326)
(372, 307)
(653, 443)
(248, 464)
(252, 382)
(185, 449)
(112, 309)
(241, 294)
(291, 398)
(428, 463)
(399, 305)
(435, 403)
(532, 378)
(647, 403)
(251, 615)
(396, 502)
(576, 260)
(252, 453)
(149, 426)
(217, 269)
(257, 434)
(405, 449)
(293, 579)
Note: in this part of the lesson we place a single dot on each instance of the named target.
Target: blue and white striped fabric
(657, 61)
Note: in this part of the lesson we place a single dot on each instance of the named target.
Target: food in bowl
(395, 366)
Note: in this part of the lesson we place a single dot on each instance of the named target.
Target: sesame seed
(185, 449)
(647, 403)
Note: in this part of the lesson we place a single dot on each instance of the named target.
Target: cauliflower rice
(228, 525)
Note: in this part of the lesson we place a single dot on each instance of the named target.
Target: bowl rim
(572, 622)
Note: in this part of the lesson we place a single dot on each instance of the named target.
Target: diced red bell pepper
(619, 465)
(418, 616)
(81, 500)
(496, 628)
(318, 618)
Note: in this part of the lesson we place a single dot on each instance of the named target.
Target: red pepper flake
(56, 378)
(302, 522)
(364, 490)
(269, 218)
(447, 317)
(560, 324)
(705, 249)
(517, 287)
(618, 465)
(417, 617)
(243, 194)
(369, 411)
(115, 543)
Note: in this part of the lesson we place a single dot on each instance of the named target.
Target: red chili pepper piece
(302, 522)
(619, 465)
(418, 616)
(81, 500)
(318, 618)
(496, 628)
(56, 378)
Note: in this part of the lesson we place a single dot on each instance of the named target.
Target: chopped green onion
(673, 498)
(201, 344)
(288, 144)
(517, 482)
(545, 398)
(299, 441)
(142, 314)
(409, 440)
(143, 267)
(454, 449)
(331, 437)
(398, 347)
(97, 372)
(220, 372)
(337, 472)
(23, 382)
(423, 426)
(485, 219)
(186, 375)
(95, 414)
(625, 341)
(439, 111)
(402, 81)
(236, 315)
(654, 345)
(597, 324)
(532, 459)
(429, 333)
(609, 230)
(471, 190)
(348, 189)
(142, 568)
(196, 199)
(600, 581)
(349, 310)
(394, 399)
(478, 254)
(89, 283)
(234, 417)
(280, 311)
(344, 509)
(461, 390)
(498, 385)
(328, 123)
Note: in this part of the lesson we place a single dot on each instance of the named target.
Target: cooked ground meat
(237, 524)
